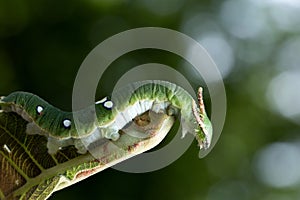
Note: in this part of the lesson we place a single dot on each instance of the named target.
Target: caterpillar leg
(109, 133)
(81, 148)
(98, 134)
(172, 110)
(54, 145)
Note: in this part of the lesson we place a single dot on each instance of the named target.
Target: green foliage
(24, 160)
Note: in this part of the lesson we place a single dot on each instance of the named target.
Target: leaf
(27, 171)
(23, 157)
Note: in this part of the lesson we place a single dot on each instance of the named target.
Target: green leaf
(27, 171)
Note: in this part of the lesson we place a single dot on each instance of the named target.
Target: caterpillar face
(112, 114)
(204, 128)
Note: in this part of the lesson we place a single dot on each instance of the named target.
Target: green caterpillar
(113, 113)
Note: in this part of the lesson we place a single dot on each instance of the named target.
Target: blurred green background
(256, 45)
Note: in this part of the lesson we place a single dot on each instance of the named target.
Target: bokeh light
(284, 94)
(283, 13)
(242, 18)
(277, 165)
(288, 54)
(220, 51)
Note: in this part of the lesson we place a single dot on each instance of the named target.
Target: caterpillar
(112, 114)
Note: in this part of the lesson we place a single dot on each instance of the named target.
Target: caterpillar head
(203, 132)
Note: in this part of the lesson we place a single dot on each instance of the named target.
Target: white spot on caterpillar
(67, 123)
(108, 104)
(102, 100)
(6, 148)
(39, 109)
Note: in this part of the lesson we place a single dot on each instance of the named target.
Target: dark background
(255, 44)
